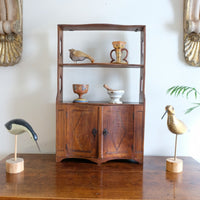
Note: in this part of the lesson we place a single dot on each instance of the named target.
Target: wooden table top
(43, 178)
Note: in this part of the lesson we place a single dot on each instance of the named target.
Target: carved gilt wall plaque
(192, 32)
(11, 31)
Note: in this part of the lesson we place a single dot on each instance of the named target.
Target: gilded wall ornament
(11, 32)
(192, 32)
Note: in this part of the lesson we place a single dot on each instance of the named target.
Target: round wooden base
(175, 166)
(80, 101)
(14, 166)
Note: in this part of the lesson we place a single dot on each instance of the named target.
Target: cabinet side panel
(59, 134)
(138, 129)
(60, 69)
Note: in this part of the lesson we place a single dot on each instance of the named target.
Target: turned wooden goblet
(80, 89)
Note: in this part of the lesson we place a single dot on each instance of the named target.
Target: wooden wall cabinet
(100, 131)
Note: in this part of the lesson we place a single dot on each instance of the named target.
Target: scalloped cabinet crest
(11, 32)
(192, 32)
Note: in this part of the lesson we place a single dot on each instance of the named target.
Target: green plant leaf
(183, 90)
(192, 108)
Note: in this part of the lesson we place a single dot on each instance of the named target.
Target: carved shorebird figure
(77, 55)
(175, 125)
(16, 127)
(20, 126)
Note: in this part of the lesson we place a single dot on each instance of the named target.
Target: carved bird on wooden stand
(19, 126)
(175, 125)
(77, 55)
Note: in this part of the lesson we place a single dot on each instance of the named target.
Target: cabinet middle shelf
(100, 103)
(104, 65)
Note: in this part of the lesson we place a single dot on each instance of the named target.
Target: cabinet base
(101, 161)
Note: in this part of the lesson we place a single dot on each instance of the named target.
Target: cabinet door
(82, 126)
(117, 131)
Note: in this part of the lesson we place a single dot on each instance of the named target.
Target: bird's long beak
(164, 114)
(37, 145)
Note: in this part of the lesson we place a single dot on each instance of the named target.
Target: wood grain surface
(43, 178)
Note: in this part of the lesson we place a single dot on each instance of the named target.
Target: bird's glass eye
(35, 137)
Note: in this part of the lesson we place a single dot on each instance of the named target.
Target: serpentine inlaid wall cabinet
(104, 131)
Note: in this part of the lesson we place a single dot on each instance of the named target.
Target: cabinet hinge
(133, 116)
(132, 147)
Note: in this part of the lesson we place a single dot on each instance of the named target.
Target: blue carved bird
(20, 126)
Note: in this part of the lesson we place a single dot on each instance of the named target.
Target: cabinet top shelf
(99, 27)
(102, 103)
(104, 65)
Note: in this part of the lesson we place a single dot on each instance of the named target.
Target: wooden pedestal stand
(174, 164)
(15, 165)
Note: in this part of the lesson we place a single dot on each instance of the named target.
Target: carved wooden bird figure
(77, 55)
(19, 126)
(175, 125)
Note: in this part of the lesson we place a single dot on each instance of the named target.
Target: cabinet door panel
(81, 140)
(118, 122)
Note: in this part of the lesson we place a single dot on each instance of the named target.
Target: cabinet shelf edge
(100, 27)
(101, 65)
(96, 103)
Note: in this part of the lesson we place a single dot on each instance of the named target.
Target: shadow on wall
(177, 25)
(32, 95)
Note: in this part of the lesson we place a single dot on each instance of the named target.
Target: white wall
(28, 90)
